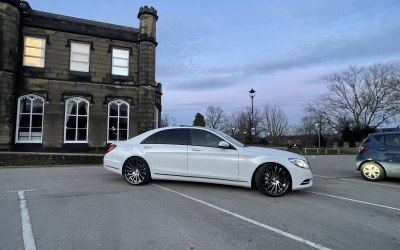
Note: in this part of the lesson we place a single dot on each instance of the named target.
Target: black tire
(372, 171)
(273, 179)
(136, 171)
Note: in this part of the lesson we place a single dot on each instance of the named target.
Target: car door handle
(147, 147)
(196, 149)
(381, 149)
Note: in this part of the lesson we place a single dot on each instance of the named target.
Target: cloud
(336, 50)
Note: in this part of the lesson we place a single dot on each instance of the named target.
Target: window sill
(120, 78)
(28, 142)
(79, 76)
(34, 71)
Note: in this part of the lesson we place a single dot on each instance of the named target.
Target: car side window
(204, 138)
(392, 140)
(169, 136)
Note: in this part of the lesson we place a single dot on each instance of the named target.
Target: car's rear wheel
(372, 171)
(272, 179)
(136, 171)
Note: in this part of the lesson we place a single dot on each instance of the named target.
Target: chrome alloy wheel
(371, 171)
(275, 180)
(136, 171)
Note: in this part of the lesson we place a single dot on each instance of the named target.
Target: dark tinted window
(169, 136)
(392, 140)
(204, 138)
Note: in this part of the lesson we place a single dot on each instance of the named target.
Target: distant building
(69, 84)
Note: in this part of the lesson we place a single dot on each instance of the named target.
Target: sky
(212, 52)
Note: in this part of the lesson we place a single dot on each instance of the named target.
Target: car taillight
(363, 149)
(111, 147)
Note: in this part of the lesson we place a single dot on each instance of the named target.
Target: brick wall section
(9, 41)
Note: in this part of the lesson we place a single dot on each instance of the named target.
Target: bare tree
(230, 125)
(215, 117)
(294, 130)
(275, 121)
(361, 97)
(167, 120)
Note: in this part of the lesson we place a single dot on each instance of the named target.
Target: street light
(319, 135)
(252, 93)
(233, 132)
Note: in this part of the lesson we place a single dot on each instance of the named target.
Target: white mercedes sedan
(205, 155)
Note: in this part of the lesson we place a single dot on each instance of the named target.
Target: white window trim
(156, 115)
(43, 56)
(77, 100)
(71, 61)
(31, 97)
(112, 62)
(119, 103)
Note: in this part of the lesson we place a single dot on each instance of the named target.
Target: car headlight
(300, 163)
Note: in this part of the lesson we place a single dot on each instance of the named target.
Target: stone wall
(9, 42)
(55, 82)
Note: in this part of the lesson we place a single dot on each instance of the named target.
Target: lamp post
(252, 93)
(319, 135)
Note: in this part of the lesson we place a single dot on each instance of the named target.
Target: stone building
(69, 84)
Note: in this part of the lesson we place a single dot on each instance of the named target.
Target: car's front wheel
(372, 171)
(136, 171)
(272, 179)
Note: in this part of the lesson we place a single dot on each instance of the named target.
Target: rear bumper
(111, 165)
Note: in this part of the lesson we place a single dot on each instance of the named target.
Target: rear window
(367, 140)
(380, 138)
(390, 139)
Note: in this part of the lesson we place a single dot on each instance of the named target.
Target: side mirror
(223, 144)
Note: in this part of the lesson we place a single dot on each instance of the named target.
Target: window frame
(43, 50)
(71, 61)
(77, 100)
(32, 97)
(119, 103)
(119, 58)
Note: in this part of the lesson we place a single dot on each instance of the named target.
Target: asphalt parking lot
(91, 208)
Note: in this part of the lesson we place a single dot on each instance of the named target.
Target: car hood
(272, 152)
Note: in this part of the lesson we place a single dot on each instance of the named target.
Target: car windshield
(228, 138)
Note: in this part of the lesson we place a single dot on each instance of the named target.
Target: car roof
(386, 133)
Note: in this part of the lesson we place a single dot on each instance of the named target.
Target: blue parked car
(379, 156)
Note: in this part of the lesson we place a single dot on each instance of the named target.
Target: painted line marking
(27, 233)
(353, 200)
(16, 191)
(275, 230)
(347, 179)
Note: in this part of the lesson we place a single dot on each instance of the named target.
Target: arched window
(156, 115)
(118, 121)
(76, 120)
(30, 119)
